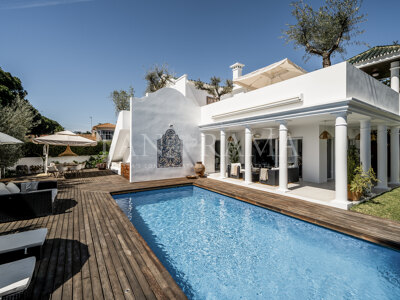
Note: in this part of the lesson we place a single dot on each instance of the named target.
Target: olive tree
(16, 120)
(214, 88)
(157, 78)
(121, 99)
(327, 30)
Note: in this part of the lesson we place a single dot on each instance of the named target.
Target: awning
(277, 72)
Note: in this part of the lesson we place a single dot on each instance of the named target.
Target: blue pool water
(217, 247)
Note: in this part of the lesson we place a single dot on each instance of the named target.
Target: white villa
(286, 119)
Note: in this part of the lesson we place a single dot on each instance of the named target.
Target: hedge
(33, 150)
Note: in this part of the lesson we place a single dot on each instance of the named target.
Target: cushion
(29, 186)
(12, 188)
(4, 190)
(53, 194)
(2, 185)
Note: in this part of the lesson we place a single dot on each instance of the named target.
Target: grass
(385, 206)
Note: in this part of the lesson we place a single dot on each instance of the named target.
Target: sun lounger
(22, 240)
(16, 276)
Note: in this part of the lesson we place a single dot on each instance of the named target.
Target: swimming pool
(217, 247)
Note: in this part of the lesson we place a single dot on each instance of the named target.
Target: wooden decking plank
(93, 251)
(104, 273)
(44, 277)
(59, 271)
(126, 280)
(160, 273)
(76, 257)
(84, 251)
(95, 274)
(138, 263)
(67, 291)
(140, 287)
(106, 263)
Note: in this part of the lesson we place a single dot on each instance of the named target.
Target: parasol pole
(46, 150)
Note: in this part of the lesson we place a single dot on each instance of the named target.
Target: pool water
(217, 247)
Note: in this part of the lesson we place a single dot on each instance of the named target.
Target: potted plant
(361, 183)
(353, 161)
(234, 150)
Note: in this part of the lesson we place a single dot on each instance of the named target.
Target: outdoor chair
(235, 174)
(77, 169)
(62, 170)
(16, 277)
(52, 169)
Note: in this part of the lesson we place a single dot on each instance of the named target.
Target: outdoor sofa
(273, 176)
(255, 173)
(28, 203)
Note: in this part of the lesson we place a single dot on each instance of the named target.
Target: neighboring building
(89, 136)
(104, 131)
(284, 118)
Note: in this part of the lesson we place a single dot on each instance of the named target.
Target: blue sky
(70, 54)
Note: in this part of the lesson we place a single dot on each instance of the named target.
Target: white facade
(341, 99)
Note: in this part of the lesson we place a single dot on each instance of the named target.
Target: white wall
(119, 148)
(364, 87)
(151, 116)
(336, 83)
(209, 162)
(321, 86)
(34, 161)
(314, 152)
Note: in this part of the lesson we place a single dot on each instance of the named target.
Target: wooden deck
(92, 251)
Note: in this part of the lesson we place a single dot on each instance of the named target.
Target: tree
(11, 89)
(16, 120)
(325, 31)
(121, 99)
(44, 125)
(214, 89)
(157, 78)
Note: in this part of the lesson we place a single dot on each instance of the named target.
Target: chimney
(236, 70)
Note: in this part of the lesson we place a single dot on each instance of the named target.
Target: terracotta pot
(199, 169)
(353, 196)
(102, 166)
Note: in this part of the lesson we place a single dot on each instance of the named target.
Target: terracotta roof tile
(104, 125)
(88, 136)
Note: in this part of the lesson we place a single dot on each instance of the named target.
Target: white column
(283, 165)
(203, 147)
(276, 152)
(222, 154)
(247, 155)
(341, 157)
(365, 144)
(394, 155)
(382, 157)
(394, 75)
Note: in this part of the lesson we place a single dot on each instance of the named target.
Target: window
(106, 134)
